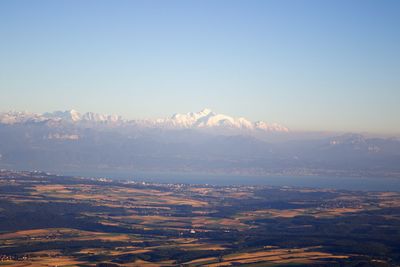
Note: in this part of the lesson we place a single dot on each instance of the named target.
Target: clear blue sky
(310, 65)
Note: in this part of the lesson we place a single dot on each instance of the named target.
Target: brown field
(275, 256)
(116, 196)
(201, 261)
(51, 234)
(45, 262)
(116, 252)
(180, 223)
(290, 213)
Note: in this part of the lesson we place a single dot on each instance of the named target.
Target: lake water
(348, 183)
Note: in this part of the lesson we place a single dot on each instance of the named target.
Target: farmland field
(50, 220)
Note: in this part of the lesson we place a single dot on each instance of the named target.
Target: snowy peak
(88, 117)
(17, 117)
(274, 127)
(204, 119)
(68, 115)
(205, 111)
(95, 117)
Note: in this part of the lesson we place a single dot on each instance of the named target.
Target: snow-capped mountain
(204, 119)
(74, 116)
(69, 116)
(17, 117)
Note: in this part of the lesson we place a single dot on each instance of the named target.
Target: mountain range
(204, 119)
(196, 142)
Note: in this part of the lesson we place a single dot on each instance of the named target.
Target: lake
(347, 183)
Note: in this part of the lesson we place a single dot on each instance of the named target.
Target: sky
(309, 65)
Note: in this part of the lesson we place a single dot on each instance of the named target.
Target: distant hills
(196, 142)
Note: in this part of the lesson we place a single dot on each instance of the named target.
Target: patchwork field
(49, 220)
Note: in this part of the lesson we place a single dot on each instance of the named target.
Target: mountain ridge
(204, 119)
